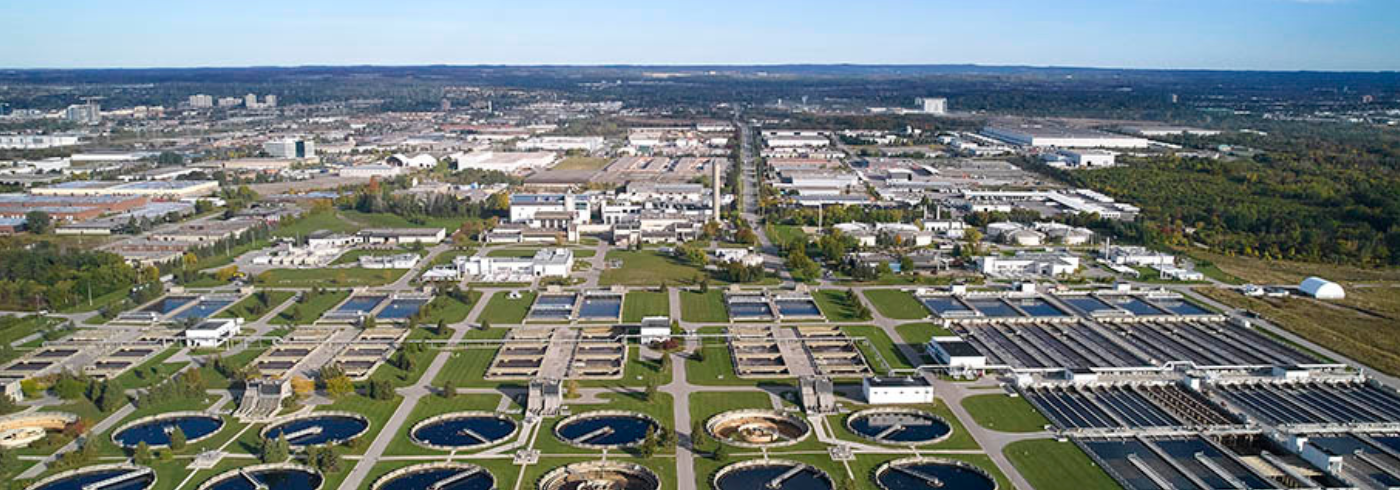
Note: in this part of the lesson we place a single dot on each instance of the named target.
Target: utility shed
(1320, 288)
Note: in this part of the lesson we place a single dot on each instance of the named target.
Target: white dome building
(1320, 288)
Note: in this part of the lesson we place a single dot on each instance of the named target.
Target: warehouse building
(155, 189)
(1062, 137)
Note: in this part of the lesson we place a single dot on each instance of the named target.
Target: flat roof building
(1062, 137)
(172, 189)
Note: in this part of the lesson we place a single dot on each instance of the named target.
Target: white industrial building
(547, 262)
(1029, 264)
(932, 105)
(290, 148)
(1062, 137)
(1088, 158)
(371, 171)
(396, 261)
(525, 207)
(35, 141)
(562, 143)
(740, 255)
(213, 332)
(1320, 288)
(400, 236)
(896, 390)
(421, 160)
(504, 161)
(956, 353)
(1138, 256)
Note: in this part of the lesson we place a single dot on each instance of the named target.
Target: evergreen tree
(177, 439)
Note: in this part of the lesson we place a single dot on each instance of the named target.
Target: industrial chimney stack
(714, 182)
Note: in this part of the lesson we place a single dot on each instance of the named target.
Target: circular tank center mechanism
(437, 476)
(266, 477)
(757, 428)
(605, 429)
(600, 475)
(931, 474)
(156, 431)
(898, 426)
(463, 430)
(314, 429)
(772, 474)
(105, 477)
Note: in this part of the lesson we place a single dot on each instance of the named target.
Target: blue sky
(1223, 34)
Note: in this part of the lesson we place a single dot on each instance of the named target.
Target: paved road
(680, 391)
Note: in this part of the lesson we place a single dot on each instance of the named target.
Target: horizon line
(694, 66)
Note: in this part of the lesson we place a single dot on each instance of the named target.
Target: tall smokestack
(714, 182)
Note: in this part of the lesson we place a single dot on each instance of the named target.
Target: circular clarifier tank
(931, 474)
(898, 426)
(155, 431)
(276, 476)
(439, 476)
(318, 428)
(605, 429)
(771, 474)
(592, 475)
(757, 428)
(463, 431)
(118, 476)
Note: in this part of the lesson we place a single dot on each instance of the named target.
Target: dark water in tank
(625, 429)
(419, 480)
(77, 482)
(757, 478)
(952, 477)
(450, 432)
(912, 427)
(333, 427)
(277, 479)
(157, 432)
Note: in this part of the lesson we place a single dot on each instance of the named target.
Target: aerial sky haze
(1209, 34)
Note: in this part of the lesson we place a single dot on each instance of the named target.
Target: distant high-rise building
(250, 101)
(270, 100)
(446, 105)
(229, 101)
(932, 105)
(89, 113)
(201, 101)
(290, 148)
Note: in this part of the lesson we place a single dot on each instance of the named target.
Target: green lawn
(505, 311)
(251, 310)
(704, 307)
(311, 309)
(648, 268)
(347, 277)
(150, 372)
(640, 304)
(429, 406)
(782, 234)
(836, 307)
(1051, 465)
(330, 221)
(1003, 413)
(389, 220)
(717, 368)
(215, 380)
(896, 304)
(881, 343)
(918, 334)
(448, 309)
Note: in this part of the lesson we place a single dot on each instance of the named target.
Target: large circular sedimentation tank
(922, 473)
(593, 475)
(318, 428)
(461, 431)
(757, 428)
(605, 429)
(898, 426)
(771, 474)
(447, 476)
(137, 478)
(276, 476)
(155, 431)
